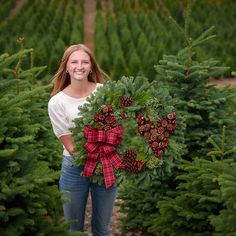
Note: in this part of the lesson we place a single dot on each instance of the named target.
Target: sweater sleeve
(57, 115)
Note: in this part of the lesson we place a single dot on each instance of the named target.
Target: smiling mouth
(79, 72)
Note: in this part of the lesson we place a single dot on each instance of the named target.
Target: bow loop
(91, 147)
(112, 136)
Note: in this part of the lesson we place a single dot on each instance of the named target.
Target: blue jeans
(78, 186)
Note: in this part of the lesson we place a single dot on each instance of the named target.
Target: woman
(77, 78)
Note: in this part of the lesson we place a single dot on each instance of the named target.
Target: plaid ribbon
(103, 143)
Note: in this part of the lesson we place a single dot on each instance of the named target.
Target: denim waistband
(68, 158)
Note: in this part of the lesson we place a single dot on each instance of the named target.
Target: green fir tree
(204, 109)
(30, 202)
(204, 201)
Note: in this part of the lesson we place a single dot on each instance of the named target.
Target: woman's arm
(68, 143)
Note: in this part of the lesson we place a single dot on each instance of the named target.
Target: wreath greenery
(137, 117)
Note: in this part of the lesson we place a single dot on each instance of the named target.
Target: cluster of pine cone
(105, 119)
(125, 101)
(157, 137)
(130, 162)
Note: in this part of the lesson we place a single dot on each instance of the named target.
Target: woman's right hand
(68, 143)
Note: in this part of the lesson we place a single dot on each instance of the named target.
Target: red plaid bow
(103, 143)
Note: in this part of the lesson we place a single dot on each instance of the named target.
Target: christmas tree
(204, 203)
(30, 202)
(204, 108)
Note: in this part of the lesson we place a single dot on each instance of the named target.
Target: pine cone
(154, 145)
(164, 123)
(170, 127)
(171, 116)
(153, 137)
(110, 120)
(125, 101)
(159, 153)
(107, 109)
(147, 127)
(130, 156)
(139, 118)
(134, 167)
(153, 131)
(161, 130)
(147, 134)
(100, 125)
(96, 117)
(101, 117)
(161, 136)
(107, 127)
(141, 129)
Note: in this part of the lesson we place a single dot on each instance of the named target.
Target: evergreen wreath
(124, 129)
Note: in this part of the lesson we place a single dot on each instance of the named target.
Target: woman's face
(79, 65)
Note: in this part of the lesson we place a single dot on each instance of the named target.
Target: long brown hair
(62, 79)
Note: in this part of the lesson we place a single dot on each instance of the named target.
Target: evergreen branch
(214, 153)
(232, 150)
(3, 56)
(35, 71)
(220, 152)
(214, 144)
(187, 17)
(32, 59)
(223, 139)
(184, 32)
(8, 60)
(206, 33)
(177, 25)
(198, 42)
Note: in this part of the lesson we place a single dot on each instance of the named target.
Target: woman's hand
(68, 144)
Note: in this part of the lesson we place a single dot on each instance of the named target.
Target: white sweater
(62, 110)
